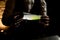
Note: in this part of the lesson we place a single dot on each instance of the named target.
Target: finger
(45, 25)
(45, 18)
(47, 22)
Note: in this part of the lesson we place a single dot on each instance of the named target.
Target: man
(13, 17)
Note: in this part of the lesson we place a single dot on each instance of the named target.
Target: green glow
(35, 17)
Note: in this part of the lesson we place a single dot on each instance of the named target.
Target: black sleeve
(8, 21)
(7, 15)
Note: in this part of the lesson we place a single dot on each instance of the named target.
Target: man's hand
(44, 21)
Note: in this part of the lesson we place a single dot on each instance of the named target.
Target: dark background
(53, 12)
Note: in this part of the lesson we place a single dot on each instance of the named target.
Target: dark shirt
(22, 6)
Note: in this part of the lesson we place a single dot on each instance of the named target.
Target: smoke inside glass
(29, 16)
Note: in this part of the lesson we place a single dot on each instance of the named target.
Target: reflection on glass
(2, 7)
